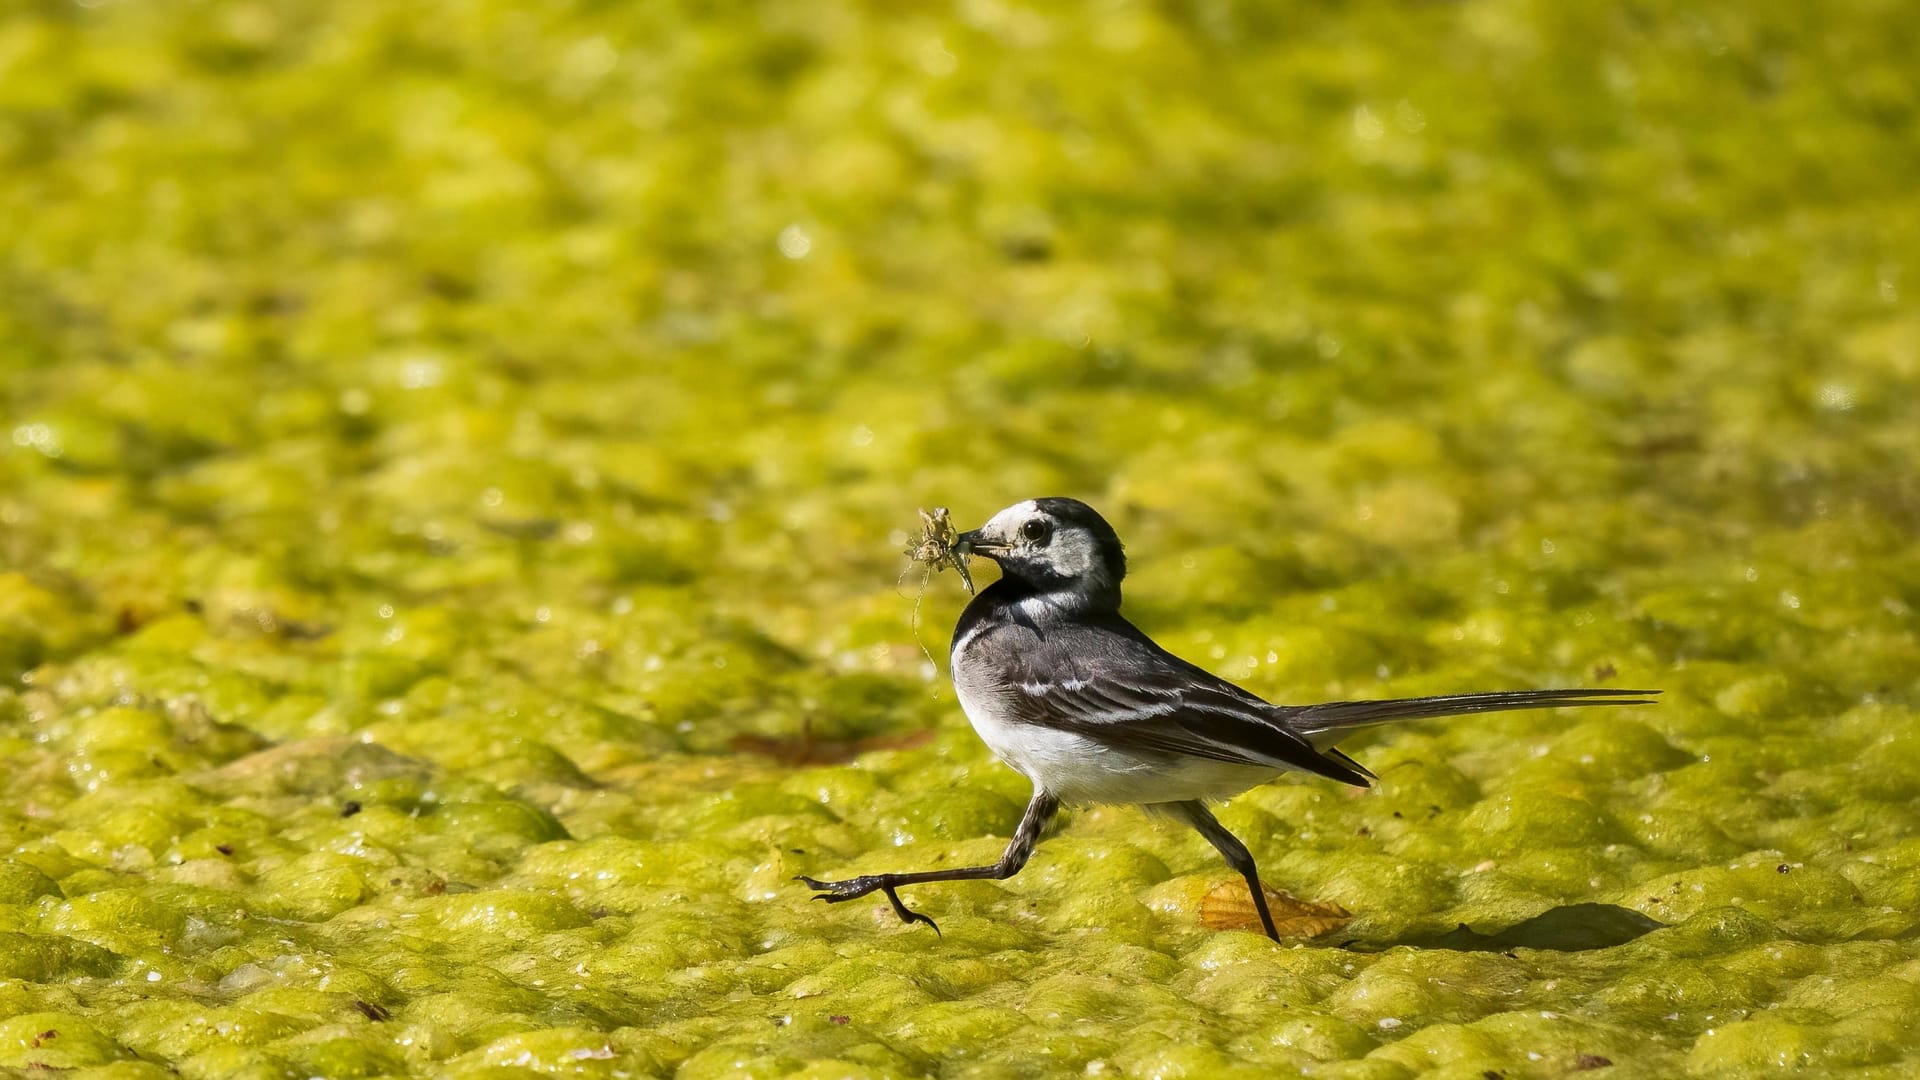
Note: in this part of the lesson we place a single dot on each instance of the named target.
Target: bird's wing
(1108, 682)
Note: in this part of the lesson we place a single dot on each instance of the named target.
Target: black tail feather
(1321, 722)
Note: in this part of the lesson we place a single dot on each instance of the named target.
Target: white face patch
(1005, 525)
(1073, 553)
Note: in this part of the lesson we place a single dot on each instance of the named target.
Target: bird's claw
(907, 914)
(838, 892)
(834, 892)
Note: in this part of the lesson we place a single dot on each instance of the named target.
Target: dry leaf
(1230, 907)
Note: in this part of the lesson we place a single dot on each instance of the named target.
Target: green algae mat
(455, 457)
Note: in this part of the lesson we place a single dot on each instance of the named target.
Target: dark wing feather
(1107, 681)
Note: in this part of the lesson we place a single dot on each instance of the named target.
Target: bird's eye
(1035, 531)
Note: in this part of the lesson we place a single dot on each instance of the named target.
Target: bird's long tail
(1324, 725)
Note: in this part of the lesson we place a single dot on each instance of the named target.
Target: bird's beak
(975, 543)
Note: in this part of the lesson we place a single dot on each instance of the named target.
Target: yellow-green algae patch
(435, 434)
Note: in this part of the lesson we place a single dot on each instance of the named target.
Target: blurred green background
(456, 454)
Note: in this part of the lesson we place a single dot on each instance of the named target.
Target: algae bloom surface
(454, 458)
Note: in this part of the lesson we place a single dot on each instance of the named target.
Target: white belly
(1080, 772)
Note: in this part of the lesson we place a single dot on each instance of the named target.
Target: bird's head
(1054, 545)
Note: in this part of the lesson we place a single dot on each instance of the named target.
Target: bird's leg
(1236, 853)
(1039, 812)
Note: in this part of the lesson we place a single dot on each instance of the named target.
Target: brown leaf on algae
(1229, 906)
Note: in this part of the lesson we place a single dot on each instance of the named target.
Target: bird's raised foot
(838, 892)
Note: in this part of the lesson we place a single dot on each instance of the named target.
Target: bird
(1062, 688)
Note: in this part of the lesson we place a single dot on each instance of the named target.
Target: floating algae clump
(448, 455)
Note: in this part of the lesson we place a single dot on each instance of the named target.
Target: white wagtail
(1067, 691)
